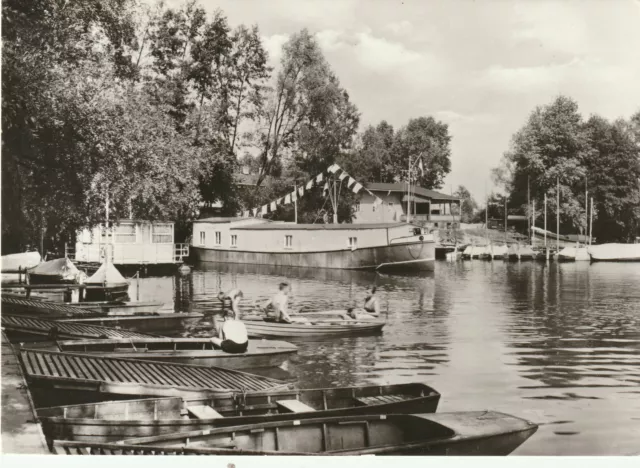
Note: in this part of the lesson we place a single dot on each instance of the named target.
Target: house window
(202, 237)
(357, 206)
(353, 242)
(162, 233)
(106, 235)
(125, 234)
(218, 238)
(234, 240)
(288, 241)
(373, 207)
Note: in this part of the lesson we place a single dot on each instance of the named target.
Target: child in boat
(279, 305)
(233, 336)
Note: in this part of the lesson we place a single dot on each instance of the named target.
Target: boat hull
(170, 322)
(14, 263)
(260, 328)
(419, 256)
(119, 292)
(615, 253)
(140, 423)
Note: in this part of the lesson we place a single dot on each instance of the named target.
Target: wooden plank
(209, 380)
(68, 369)
(79, 362)
(293, 406)
(91, 364)
(53, 370)
(166, 373)
(112, 369)
(143, 374)
(203, 412)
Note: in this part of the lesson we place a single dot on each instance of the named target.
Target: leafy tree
(371, 159)
(468, 205)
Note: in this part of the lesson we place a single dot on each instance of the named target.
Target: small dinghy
(58, 271)
(117, 420)
(321, 326)
(106, 284)
(464, 433)
(19, 262)
(200, 351)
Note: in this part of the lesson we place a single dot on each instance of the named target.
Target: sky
(479, 66)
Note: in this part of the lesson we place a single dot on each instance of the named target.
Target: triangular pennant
(356, 188)
(319, 178)
(351, 182)
(333, 168)
(264, 209)
(279, 201)
(377, 201)
(273, 206)
(294, 195)
(342, 176)
(255, 212)
(309, 184)
(287, 199)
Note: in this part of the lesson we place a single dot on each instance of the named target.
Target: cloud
(273, 45)
(399, 27)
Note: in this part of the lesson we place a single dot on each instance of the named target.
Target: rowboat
(119, 307)
(116, 420)
(107, 284)
(263, 327)
(615, 252)
(464, 433)
(24, 328)
(200, 351)
(14, 263)
(65, 378)
(159, 322)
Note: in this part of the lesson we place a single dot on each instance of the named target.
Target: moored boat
(261, 327)
(463, 433)
(466, 253)
(615, 252)
(120, 307)
(520, 252)
(379, 246)
(106, 284)
(58, 271)
(200, 351)
(65, 378)
(116, 420)
(498, 252)
(170, 322)
(573, 254)
(19, 262)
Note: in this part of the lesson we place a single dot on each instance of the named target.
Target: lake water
(557, 344)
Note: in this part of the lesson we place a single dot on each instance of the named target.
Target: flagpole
(409, 192)
(335, 203)
(295, 202)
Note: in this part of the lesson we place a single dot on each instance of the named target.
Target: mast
(586, 207)
(295, 203)
(335, 202)
(533, 221)
(591, 224)
(545, 221)
(528, 208)
(558, 213)
(106, 227)
(409, 191)
(505, 220)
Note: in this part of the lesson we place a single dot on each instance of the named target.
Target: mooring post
(138, 285)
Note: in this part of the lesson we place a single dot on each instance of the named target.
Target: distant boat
(615, 252)
(466, 253)
(14, 263)
(464, 433)
(58, 271)
(521, 252)
(499, 251)
(571, 254)
(116, 420)
(106, 284)
(478, 251)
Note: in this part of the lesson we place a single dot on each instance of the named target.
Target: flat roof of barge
(220, 220)
(318, 227)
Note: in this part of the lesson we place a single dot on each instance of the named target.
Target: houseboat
(342, 246)
(130, 242)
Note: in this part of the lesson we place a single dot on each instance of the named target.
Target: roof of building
(402, 187)
(221, 220)
(318, 227)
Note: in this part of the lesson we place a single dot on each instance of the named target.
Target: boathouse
(130, 242)
(428, 207)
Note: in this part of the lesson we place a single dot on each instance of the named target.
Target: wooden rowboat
(165, 322)
(116, 420)
(64, 378)
(119, 307)
(200, 351)
(24, 328)
(464, 433)
(261, 327)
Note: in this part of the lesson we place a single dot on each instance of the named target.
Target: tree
(613, 167)
(468, 205)
(371, 159)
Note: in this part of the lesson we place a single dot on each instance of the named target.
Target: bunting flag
(255, 212)
(246, 214)
(333, 168)
(279, 201)
(343, 175)
(294, 195)
(264, 209)
(310, 184)
(287, 199)
(356, 188)
(319, 178)
(273, 206)
(351, 182)
(301, 191)
(377, 201)
(325, 189)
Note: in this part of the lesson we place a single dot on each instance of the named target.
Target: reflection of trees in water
(563, 331)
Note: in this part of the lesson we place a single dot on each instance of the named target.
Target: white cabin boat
(130, 242)
(341, 246)
(615, 253)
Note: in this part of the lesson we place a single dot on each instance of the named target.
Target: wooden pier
(38, 327)
(21, 433)
(67, 373)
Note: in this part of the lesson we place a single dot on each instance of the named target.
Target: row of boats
(108, 390)
(514, 252)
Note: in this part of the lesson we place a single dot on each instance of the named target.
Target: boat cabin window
(125, 233)
(288, 241)
(218, 238)
(162, 233)
(202, 237)
(353, 242)
(234, 240)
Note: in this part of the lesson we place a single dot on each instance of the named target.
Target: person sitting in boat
(276, 308)
(233, 337)
(371, 309)
(231, 298)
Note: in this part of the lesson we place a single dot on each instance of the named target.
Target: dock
(21, 433)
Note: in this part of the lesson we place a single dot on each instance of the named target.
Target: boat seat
(293, 406)
(203, 412)
(379, 400)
